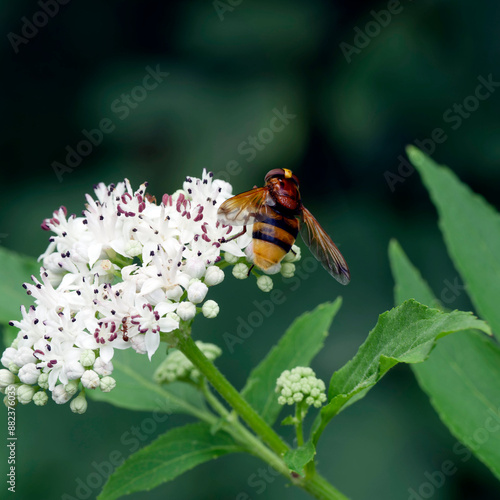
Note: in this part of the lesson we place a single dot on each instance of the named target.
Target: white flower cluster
(299, 383)
(114, 278)
(177, 367)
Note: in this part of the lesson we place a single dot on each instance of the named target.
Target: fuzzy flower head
(300, 384)
(177, 367)
(122, 275)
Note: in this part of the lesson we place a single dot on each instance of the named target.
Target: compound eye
(275, 172)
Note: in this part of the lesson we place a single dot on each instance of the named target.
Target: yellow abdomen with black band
(273, 238)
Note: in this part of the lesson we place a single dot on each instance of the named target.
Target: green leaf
(298, 346)
(15, 270)
(461, 377)
(409, 281)
(471, 230)
(297, 459)
(405, 334)
(169, 456)
(136, 390)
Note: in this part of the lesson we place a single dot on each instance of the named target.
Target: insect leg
(250, 270)
(223, 240)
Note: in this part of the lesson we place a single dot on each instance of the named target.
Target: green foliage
(462, 377)
(405, 334)
(135, 389)
(471, 230)
(16, 269)
(298, 346)
(169, 456)
(297, 459)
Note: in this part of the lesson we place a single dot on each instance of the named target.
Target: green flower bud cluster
(177, 367)
(300, 384)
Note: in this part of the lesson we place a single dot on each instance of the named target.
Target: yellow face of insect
(288, 173)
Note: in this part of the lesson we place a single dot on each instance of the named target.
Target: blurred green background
(361, 82)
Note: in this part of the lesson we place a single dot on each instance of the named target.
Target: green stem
(321, 489)
(298, 424)
(187, 346)
(314, 484)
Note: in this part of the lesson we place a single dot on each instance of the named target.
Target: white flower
(116, 277)
(210, 309)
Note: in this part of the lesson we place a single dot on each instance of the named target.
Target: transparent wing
(243, 209)
(323, 248)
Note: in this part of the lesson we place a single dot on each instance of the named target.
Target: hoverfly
(277, 215)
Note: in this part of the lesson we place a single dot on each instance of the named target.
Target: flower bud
(240, 271)
(59, 395)
(74, 370)
(6, 378)
(9, 356)
(133, 248)
(107, 384)
(265, 283)
(195, 267)
(90, 379)
(288, 270)
(214, 276)
(87, 358)
(28, 374)
(186, 311)
(43, 380)
(25, 394)
(79, 404)
(197, 292)
(230, 258)
(298, 384)
(210, 309)
(293, 255)
(40, 398)
(102, 367)
(72, 387)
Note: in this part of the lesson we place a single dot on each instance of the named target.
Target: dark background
(354, 116)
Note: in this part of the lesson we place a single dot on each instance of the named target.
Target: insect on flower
(277, 215)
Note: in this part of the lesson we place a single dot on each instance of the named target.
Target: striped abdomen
(273, 236)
